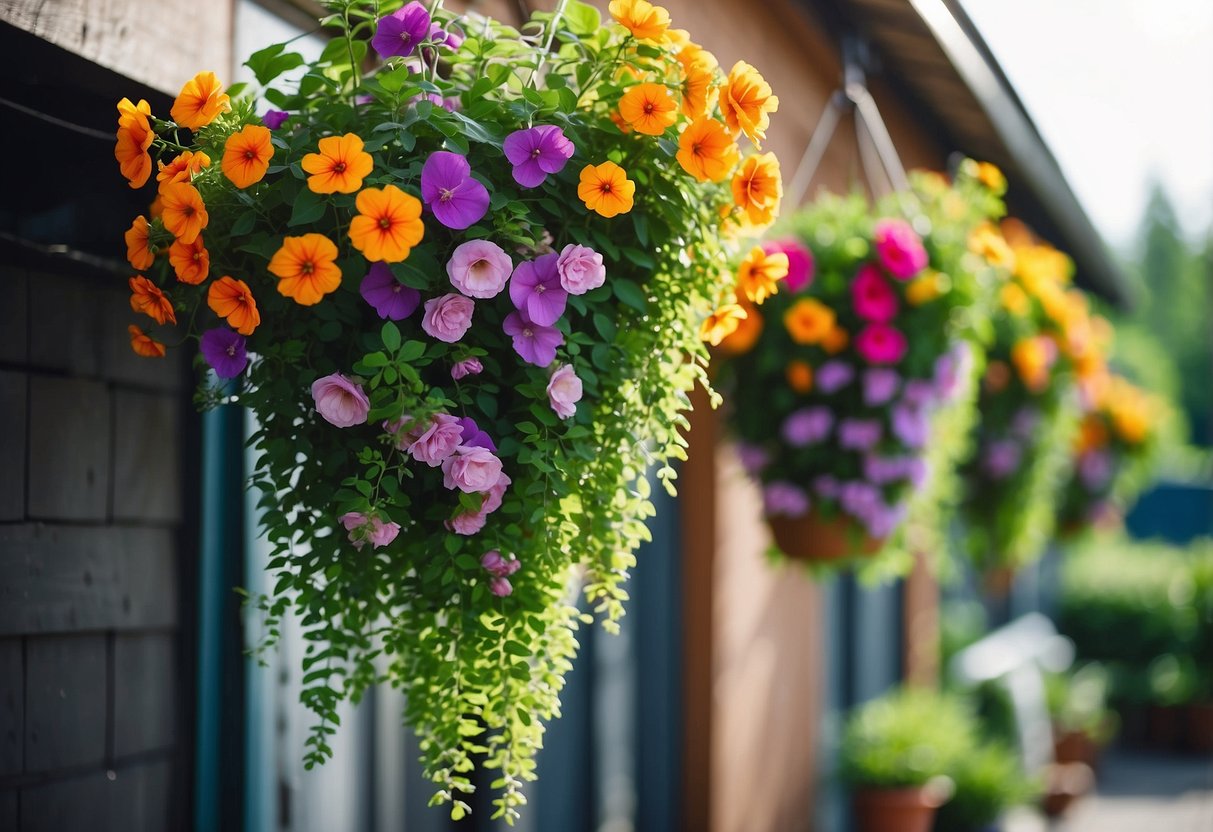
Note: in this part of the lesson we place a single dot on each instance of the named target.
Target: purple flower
(448, 318)
(1095, 469)
(832, 376)
(500, 587)
(1001, 458)
(827, 486)
(858, 497)
(753, 458)
(784, 498)
(453, 38)
(918, 392)
(224, 350)
(882, 520)
(859, 434)
(879, 385)
(447, 186)
(536, 344)
(391, 298)
(448, 104)
(807, 426)
(916, 470)
(466, 367)
(274, 119)
(400, 33)
(881, 470)
(536, 291)
(473, 436)
(911, 424)
(951, 369)
(1025, 422)
(535, 152)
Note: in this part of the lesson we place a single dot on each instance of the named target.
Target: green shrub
(988, 780)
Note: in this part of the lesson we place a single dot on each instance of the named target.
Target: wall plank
(145, 693)
(13, 319)
(12, 708)
(69, 474)
(65, 696)
(147, 476)
(13, 409)
(59, 579)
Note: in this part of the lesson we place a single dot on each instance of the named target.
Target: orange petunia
(144, 344)
(743, 338)
(1032, 358)
(156, 209)
(306, 268)
(388, 224)
(184, 213)
(191, 261)
(758, 189)
(147, 298)
(1092, 434)
(648, 108)
(808, 321)
(721, 324)
(747, 103)
(339, 167)
(800, 376)
(618, 121)
(1014, 299)
(138, 244)
(200, 101)
(134, 137)
(232, 300)
(698, 75)
(640, 17)
(759, 274)
(184, 168)
(707, 151)
(606, 189)
(836, 340)
(246, 155)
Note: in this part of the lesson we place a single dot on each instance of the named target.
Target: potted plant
(458, 273)
(839, 372)
(988, 780)
(1082, 722)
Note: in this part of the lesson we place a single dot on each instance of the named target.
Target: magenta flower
(881, 344)
(500, 587)
(800, 262)
(535, 152)
(899, 248)
(340, 401)
(479, 268)
(447, 186)
(274, 119)
(498, 566)
(872, 296)
(224, 349)
(536, 290)
(466, 367)
(784, 498)
(1001, 458)
(400, 33)
(536, 344)
(391, 299)
(473, 436)
(448, 318)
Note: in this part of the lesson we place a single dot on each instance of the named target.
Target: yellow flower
(1014, 300)
(746, 334)
(1036, 264)
(640, 17)
(758, 189)
(648, 108)
(200, 101)
(927, 288)
(987, 241)
(606, 189)
(707, 151)
(990, 176)
(698, 75)
(1032, 358)
(722, 323)
(759, 274)
(746, 102)
(808, 321)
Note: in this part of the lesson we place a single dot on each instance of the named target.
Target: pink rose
(498, 566)
(492, 500)
(466, 367)
(363, 528)
(500, 587)
(580, 269)
(467, 523)
(471, 470)
(403, 432)
(872, 296)
(447, 318)
(340, 401)
(438, 441)
(899, 248)
(479, 269)
(881, 344)
(564, 391)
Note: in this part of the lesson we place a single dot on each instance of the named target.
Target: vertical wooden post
(921, 625)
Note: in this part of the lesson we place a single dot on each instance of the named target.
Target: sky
(1122, 91)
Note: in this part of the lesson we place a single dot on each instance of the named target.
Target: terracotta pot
(1066, 783)
(814, 538)
(1200, 727)
(896, 810)
(1075, 747)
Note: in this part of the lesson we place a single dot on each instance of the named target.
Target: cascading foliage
(458, 274)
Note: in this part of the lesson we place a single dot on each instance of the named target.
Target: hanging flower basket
(461, 291)
(854, 346)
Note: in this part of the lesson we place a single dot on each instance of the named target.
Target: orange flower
(306, 268)
(988, 241)
(184, 168)
(147, 298)
(156, 209)
(640, 17)
(339, 167)
(721, 324)
(200, 101)
(698, 74)
(1014, 299)
(747, 103)
(648, 108)
(134, 136)
(758, 188)
(191, 261)
(707, 151)
(246, 155)
(184, 211)
(1092, 434)
(759, 274)
(808, 321)
(836, 340)
(232, 300)
(143, 344)
(388, 224)
(618, 121)
(800, 376)
(746, 334)
(606, 189)
(138, 247)
(998, 376)
(1032, 358)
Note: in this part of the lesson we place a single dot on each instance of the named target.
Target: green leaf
(582, 18)
(375, 359)
(308, 207)
(267, 64)
(390, 334)
(630, 293)
(411, 350)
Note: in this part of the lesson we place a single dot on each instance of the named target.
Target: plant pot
(812, 537)
(1075, 747)
(1066, 783)
(909, 809)
(1199, 735)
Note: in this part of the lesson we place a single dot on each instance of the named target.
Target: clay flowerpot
(1066, 783)
(1075, 747)
(812, 537)
(896, 810)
